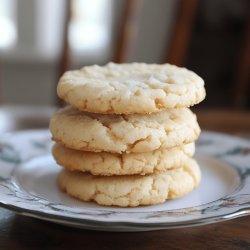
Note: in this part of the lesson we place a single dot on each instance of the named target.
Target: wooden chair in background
(129, 25)
(179, 39)
(241, 85)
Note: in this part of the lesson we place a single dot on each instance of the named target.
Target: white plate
(28, 186)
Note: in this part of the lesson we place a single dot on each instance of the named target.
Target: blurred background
(40, 39)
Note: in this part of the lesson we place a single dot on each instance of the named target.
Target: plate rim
(59, 218)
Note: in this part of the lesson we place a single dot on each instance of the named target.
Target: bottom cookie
(131, 191)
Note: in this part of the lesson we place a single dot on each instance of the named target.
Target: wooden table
(19, 232)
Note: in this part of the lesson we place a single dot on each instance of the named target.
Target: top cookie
(130, 88)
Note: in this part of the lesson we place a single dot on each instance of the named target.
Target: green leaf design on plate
(204, 142)
(238, 150)
(42, 144)
(3, 179)
(38, 144)
(9, 154)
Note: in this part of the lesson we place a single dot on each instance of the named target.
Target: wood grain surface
(19, 232)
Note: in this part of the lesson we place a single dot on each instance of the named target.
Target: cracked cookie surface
(107, 164)
(123, 133)
(130, 88)
(131, 191)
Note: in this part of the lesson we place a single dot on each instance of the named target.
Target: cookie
(131, 191)
(107, 164)
(123, 133)
(130, 88)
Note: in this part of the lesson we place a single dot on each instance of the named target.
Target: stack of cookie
(128, 137)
